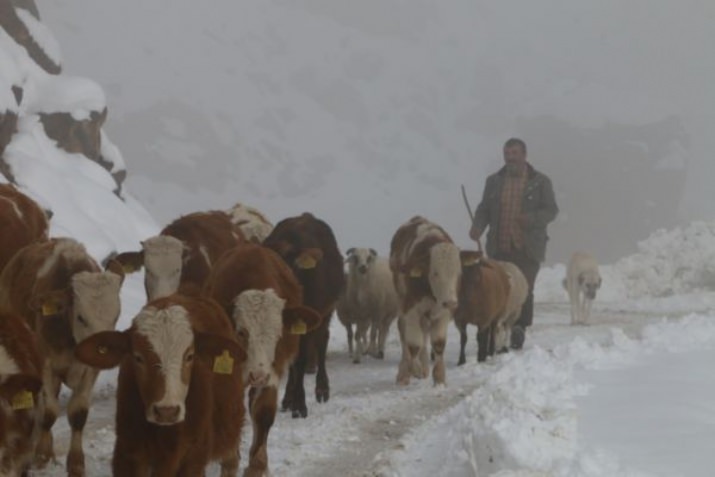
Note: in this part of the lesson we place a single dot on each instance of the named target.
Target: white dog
(581, 282)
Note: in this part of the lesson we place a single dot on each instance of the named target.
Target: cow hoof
(518, 335)
(356, 360)
(299, 413)
(380, 355)
(322, 395)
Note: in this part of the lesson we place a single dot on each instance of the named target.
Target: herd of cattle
(233, 304)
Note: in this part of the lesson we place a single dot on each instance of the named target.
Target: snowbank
(669, 262)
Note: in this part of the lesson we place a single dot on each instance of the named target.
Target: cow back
(206, 236)
(321, 284)
(22, 222)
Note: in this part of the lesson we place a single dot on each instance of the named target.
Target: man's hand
(474, 233)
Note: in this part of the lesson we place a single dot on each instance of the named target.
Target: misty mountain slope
(83, 194)
(374, 111)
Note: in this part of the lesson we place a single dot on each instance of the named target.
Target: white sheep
(369, 301)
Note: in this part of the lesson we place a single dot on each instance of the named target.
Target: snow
(577, 401)
(538, 412)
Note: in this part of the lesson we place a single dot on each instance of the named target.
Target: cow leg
(425, 356)
(77, 410)
(483, 343)
(349, 329)
(438, 333)
(587, 310)
(287, 402)
(462, 327)
(297, 396)
(322, 385)
(123, 463)
(411, 337)
(492, 338)
(263, 414)
(50, 389)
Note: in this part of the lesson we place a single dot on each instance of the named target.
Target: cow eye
(82, 320)
(138, 359)
(189, 357)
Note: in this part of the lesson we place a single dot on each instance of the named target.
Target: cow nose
(451, 305)
(362, 268)
(167, 414)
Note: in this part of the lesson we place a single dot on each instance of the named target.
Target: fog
(369, 112)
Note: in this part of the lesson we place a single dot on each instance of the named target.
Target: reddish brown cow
(426, 267)
(64, 297)
(308, 246)
(264, 299)
(180, 372)
(483, 297)
(21, 403)
(181, 256)
(22, 222)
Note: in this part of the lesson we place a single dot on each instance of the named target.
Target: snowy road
(372, 428)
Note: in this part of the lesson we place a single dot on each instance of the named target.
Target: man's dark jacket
(537, 204)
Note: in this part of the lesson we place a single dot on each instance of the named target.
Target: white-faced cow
(426, 267)
(262, 296)
(64, 296)
(181, 256)
(179, 388)
(254, 225)
(308, 246)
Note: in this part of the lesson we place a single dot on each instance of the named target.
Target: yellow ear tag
(299, 328)
(415, 273)
(128, 268)
(23, 400)
(223, 364)
(306, 262)
(49, 308)
(102, 350)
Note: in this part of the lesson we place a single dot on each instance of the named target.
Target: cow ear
(308, 258)
(350, 251)
(221, 353)
(52, 303)
(115, 267)
(130, 261)
(373, 252)
(470, 257)
(301, 319)
(103, 350)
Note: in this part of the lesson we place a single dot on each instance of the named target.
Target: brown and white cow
(179, 388)
(181, 256)
(21, 401)
(308, 246)
(64, 297)
(483, 297)
(426, 267)
(265, 301)
(23, 222)
(254, 225)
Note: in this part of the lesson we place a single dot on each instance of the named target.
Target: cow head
(163, 263)
(442, 269)
(161, 347)
(254, 225)
(76, 136)
(91, 303)
(261, 316)
(589, 282)
(360, 259)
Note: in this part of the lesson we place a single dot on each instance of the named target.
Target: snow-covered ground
(567, 405)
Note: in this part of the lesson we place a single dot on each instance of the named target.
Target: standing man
(517, 205)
